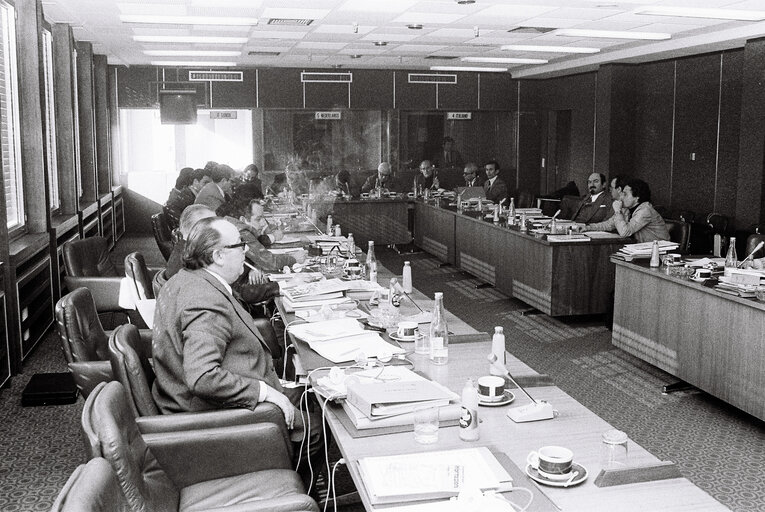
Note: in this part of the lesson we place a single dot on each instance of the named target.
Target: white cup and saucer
(406, 331)
(492, 391)
(554, 465)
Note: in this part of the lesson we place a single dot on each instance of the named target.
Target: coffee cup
(407, 330)
(365, 195)
(552, 462)
(702, 273)
(491, 388)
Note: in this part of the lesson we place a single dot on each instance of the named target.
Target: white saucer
(394, 336)
(581, 477)
(508, 398)
(700, 279)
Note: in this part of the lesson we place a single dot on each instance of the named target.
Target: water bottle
(655, 261)
(371, 264)
(329, 225)
(469, 413)
(498, 349)
(459, 202)
(439, 332)
(406, 279)
(523, 227)
(731, 259)
(511, 212)
(496, 213)
(393, 299)
(350, 246)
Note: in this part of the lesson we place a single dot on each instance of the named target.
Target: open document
(343, 339)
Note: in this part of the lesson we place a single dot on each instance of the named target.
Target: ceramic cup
(553, 462)
(491, 388)
(702, 273)
(365, 195)
(407, 330)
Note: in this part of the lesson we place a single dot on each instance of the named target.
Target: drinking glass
(614, 452)
(426, 425)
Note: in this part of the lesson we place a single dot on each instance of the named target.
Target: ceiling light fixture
(693, 12)
(192, 53)
(612, 34)
(187, 20)
(190, 39)
(414, 26)
(504, 60)
(467, 68)
(381, 43)
(548, 49)
(193, 64)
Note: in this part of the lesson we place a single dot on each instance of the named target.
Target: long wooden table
(557, 278)
(575, 427)
(385, 221)
(707, 338)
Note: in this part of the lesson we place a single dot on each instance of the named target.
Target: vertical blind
(50, 121)
(9, 119)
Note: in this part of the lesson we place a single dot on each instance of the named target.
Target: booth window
(9, 120)
(50, 121)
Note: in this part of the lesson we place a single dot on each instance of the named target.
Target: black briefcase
(49, 389)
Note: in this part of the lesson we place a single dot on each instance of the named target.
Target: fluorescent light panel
(187, 20)
(192, 53)
(611, 34)
(549, 49)
(693, 12)
(193, 63)
(191, 39)
(467, 68)
(503, 60)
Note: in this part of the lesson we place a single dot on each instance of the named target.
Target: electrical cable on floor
(331, 485)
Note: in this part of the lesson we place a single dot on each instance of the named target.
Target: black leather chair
(84, 341)
(92, 487)
(87, 264)
(680, 233)
(140, 275)
(163, 234)
(131, 366)
(158, 281)
(751, 242)
(241, 468)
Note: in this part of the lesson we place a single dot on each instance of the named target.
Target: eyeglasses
(240, 245)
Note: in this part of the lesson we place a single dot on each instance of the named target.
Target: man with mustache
(594, 207)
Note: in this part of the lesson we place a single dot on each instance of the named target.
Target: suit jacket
(210, 196)
(496, 192)
(257, 254)
(421, 181)
(475, 182)
(449, 160)
(207, 353)
(590, 212)
(392, 185)
(178, 200)
(643, 223)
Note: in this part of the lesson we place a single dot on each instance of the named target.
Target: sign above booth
(459, 116)
(223, 114)
(332, 115)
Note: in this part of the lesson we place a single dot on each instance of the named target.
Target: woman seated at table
(634, 215)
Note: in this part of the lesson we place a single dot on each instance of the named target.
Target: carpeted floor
(719, 448)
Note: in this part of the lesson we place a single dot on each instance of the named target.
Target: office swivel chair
(92, 487)
(680, 233)
(87, 264)
(751, 242)
(163, 235)
(140, 275)
(242, 468)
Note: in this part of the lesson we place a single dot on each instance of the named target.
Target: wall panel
(730, 119)
(235, 94)
(280, 88)
(372, 89)
(414, 96)
(461, 96)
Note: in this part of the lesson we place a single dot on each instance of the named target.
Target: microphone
(501, 367)
(759, 246)
(535, 411)
(556, 215)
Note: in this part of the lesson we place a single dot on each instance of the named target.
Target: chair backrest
(525, 200)
(680, 233)
(568, 206)
(158, 281)
(717, 223)
(88, 257)
(136, 271)
(162, 234)
(751, 243)
(145, 485)
(82, 336)
(92, 487)
(131, 367)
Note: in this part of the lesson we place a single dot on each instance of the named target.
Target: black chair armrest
(196, 456)
(88, 374)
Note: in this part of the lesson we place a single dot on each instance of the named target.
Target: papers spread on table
(643, 250)
(431, 475)
(342, 340)
(568, 238)
(288, 240)
(395, 390)
(285, 250)
(707, 262)
(602, 234)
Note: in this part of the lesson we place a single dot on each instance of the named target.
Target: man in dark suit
(216, 192)
(595, 206)
(206, 350)
(472, 179)
(383, 180)
(448, 157)
(495, 187)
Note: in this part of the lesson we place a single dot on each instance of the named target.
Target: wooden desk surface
(576, 428)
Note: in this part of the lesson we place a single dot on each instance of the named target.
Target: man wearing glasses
(207, 352)
(472, 179)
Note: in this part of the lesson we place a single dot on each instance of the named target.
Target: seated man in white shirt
(595, 206)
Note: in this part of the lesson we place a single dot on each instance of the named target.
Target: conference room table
(710, 339)
(574, 427)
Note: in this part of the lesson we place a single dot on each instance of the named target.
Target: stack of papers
(431, 475)
(643, 250)
(343, 340)
(568, 238)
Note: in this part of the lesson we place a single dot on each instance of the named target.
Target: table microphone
(759, 246)
(535, 411)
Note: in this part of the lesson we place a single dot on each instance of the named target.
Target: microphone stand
(759, 246)
(535, 411)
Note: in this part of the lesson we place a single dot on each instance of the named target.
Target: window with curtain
(9, 119)
(50, 121)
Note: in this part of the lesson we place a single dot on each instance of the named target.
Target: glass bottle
(350, 246)
(731, 259)
(406, 277)
(655, 261)
(523, 227)
(511, 212)
(329, 225)
(498, 349)
(371, 265)
(439, 332)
